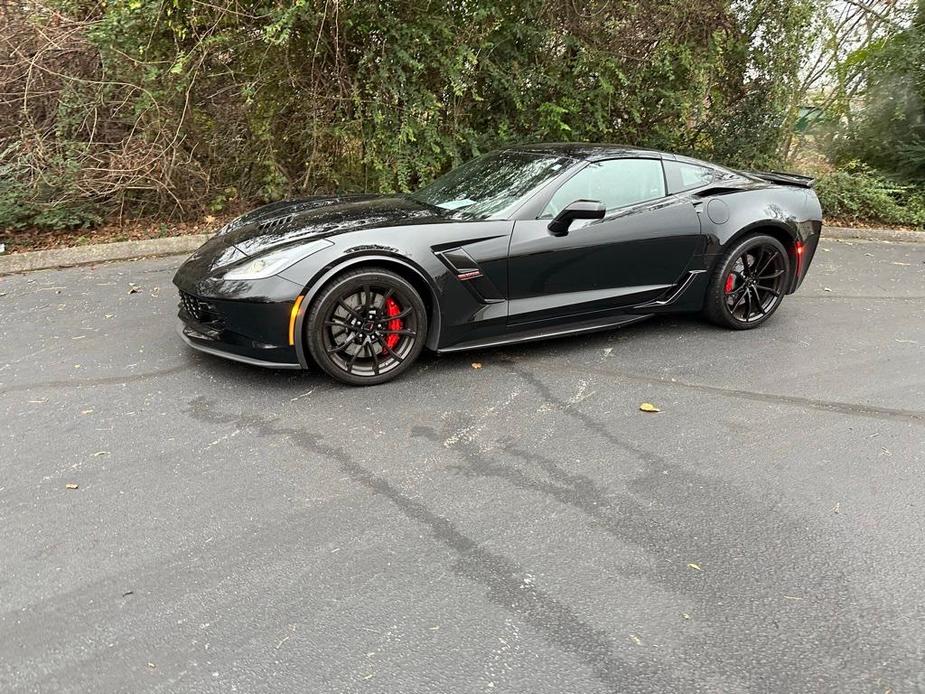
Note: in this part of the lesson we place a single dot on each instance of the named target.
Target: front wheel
(366, 327)
(749, 283)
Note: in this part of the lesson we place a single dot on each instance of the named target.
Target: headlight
(275, 262)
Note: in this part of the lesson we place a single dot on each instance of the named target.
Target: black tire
(748, 283)
(357, 336)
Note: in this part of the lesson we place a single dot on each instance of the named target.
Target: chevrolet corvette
(520, 244)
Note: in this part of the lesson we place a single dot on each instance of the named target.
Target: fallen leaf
(209, 219)
(648, 407)
(696, 567)
(476, 365)
(70, 485)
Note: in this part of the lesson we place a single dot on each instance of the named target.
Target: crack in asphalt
(849, 408)
(103, 381)
(645, 516)
(503, 579)
(825, 297)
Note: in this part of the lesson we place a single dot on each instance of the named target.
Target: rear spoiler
(786, 179)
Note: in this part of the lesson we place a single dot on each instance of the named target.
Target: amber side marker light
(292, 316)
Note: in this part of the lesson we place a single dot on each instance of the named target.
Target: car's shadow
(652, 328)
(289, 383)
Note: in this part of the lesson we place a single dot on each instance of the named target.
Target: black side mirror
(580, 209)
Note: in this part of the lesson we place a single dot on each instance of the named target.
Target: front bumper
(204, 343)
(247, 321)
(250, 332)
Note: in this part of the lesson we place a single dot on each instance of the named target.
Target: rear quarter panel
(791, 213)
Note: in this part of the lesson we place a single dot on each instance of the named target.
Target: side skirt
(547, 333)
(692, 276)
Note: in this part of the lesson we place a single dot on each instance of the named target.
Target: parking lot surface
(517, 527)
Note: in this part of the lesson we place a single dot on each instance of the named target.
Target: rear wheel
(366, 327)
(749, 283)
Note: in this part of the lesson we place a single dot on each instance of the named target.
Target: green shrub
(858, 194)
(28, 199)
(176, 108)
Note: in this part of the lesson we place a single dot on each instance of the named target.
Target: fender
(788, 233)
(352, 260)
(724, 241)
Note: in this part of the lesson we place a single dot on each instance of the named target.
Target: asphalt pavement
(517, 527)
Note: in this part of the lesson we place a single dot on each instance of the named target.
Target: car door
(637, 252)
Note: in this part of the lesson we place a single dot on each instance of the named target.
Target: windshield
(493, 185)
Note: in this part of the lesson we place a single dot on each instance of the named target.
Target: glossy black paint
(493, 280)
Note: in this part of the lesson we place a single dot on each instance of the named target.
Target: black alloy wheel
(749, 283)
(367, 326)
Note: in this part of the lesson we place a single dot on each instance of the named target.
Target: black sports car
(520, 244)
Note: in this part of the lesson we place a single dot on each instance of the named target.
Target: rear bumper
(804, 251)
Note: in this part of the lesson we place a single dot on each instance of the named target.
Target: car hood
(282, 223)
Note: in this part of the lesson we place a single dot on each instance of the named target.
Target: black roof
(589, 151)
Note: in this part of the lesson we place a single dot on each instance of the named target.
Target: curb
(101, 252)
(895, 235)
(176, 245)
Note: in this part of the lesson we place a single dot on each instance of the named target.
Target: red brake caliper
(392, 309)
(730, 283)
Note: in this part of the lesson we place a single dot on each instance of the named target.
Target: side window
(683, 176)
(616, 183)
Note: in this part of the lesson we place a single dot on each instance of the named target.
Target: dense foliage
(856, 194)
(888, 131)
(178, 107)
